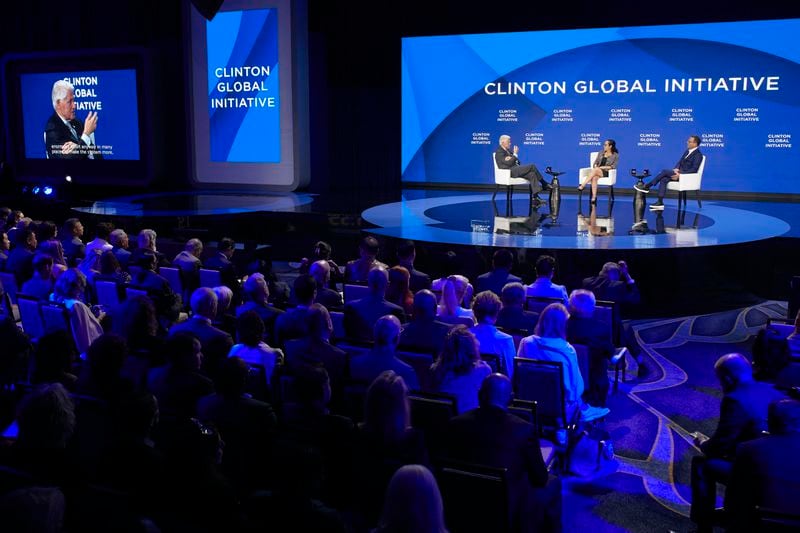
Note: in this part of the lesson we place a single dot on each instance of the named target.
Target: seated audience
(146, 244)
(450, 305)
(424, 333)
(225, 319)
(382, 356)
(583, 328)
(316, 349)
(74, 249)
(119, 245)
(251, 348)
(543, 286)
(496, 279)
(766, 471)
(179, 384)
(743, 416)
(41, 284)
(459, 370)
(512, 315)
(136, 321)
(102, 377)
(168, 303)
(490, 436)
(110, 269)
(292, 324)
(20, 260)
(53, 358)
(360, 315)
(492, 341)
(5, 246)
(413, 503)
(322, 252)
(327, 296)
(406, 255)
(15, 356)
(385, 441)
(188, 261)
(48, 243)
(256, 296)
(69, 290)
(101, 234)
(357, 270)
(216, 344)
(615, 284)
(227, 270)
(398, 292)
(549, 343)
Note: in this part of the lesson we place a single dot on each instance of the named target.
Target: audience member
(361, 315)
(41, 284)
(398, 292)
(227, 270)
(614, 283)
(330, 298)
(766, 471)
(101, 234)
(459, 370)
(490, 436)
(322, 252)
(5, 246)
(385, 441)
(492, 341)
(69, 290)
(292, 324)
(512, 315)
(15, 357)
(46, 233)
(256, 295)
(357, 270)
(179, 384)
(251, 348)
(110, 269)
(225, 319)
(119, 245)
(146, 244)
(167, 302)
(424, 333)
(406, 255)
(496, 279)
(413, 503)
(451, 304)
(74, 249)
(382, 356)
(188, 261)
(743, 416)
(53, 358)
(20, 260)
(549, 343)
(316, 349)
(102, 377)
(543, 286)
(216, 344)
(583, 328)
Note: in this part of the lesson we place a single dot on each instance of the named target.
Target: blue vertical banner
(243, 88)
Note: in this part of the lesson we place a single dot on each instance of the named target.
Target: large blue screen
(560, 94)
(112, 94)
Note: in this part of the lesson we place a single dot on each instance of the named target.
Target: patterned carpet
(651, 421)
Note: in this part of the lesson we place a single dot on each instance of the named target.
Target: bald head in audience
(424, 305)
(495, 391)
(321, 272)
(377, 281)
(732, 370)
(387, 332)
(204, 303)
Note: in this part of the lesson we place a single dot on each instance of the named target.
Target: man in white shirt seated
(544, 287)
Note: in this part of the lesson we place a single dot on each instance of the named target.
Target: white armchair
(502, 176)
(608, 181)
(689, 182)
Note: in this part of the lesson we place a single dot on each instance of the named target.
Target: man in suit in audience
(512, 315)
(406, 254)
(188, 261)
(215, 343)
(20, 260)
(543, 286)
(41, 284)
(321, 272)
(583, 328)
(614, 283)
(168, 304)
(74, 249)
(500, 274)
(766, 471)
(743, 416)
(179, 385)
(227, 270)
(424, 333)
(490, 436)
(256, 293)
(146, 243)
(119, 246)
(357, 270)
(382, 356)
(315, 348)
(360, 315)
(292, 323)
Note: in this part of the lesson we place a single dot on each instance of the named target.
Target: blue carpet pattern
(651, 421)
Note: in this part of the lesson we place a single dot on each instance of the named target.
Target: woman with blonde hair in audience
(549, 343)
(69, 289)
(398, 291)
(459, 369)
(413, 503)
(454, 291)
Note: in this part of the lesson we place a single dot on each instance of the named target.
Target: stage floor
(474, 219)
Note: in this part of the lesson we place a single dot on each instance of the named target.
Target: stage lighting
(47, 190)
(68, 179)
(36, 190)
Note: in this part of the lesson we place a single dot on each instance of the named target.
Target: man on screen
(689, 163)
(506, 158)
(66, 137)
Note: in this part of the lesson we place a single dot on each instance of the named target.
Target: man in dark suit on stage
(743, 416)
(689, 163)
(506, 158)
(490, 436)
(66, 137)
(766, 472)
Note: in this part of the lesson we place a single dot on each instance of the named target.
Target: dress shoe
(642, 188)
(658, 206)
